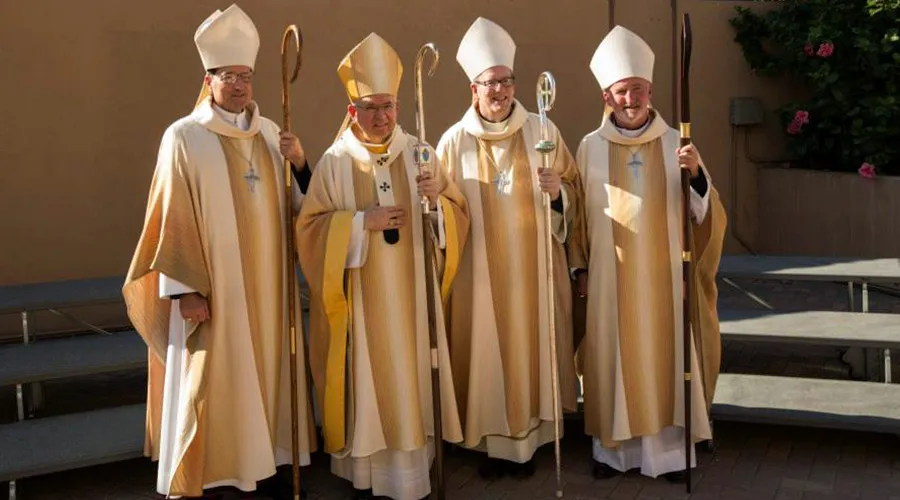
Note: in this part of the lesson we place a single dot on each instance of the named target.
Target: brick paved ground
(752, 462)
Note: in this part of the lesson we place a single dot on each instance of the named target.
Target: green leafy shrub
(847, 53)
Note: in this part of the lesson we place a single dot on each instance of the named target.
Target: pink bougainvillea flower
(825, 49)
(808, 49)
(802, 117)
(867, 170)
(794, 128)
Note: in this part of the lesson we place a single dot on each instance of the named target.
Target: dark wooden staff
(687, 236)
(291, 32)
(423, 159)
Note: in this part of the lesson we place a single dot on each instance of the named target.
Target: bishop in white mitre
(626, 250)
(499, 307)
(207, 286)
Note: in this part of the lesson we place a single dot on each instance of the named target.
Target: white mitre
(622, 54)
(227, 38)
(484, 46)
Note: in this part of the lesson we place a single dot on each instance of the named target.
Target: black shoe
(521, 471)
(603, 471)
(676, 477)
(362, 494)
(491, 468)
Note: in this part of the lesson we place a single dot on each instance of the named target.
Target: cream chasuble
(218, 409)
(629, 238)
(499, 329)
(369, 340)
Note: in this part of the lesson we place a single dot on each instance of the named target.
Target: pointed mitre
(484, 46)
(227, 38)
(372, 67)
(622, 54)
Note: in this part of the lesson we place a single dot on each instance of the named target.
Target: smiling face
(493, 92)
(376, 117)
(231, 86)
(630, 102)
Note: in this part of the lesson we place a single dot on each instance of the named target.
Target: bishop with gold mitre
(361, 235)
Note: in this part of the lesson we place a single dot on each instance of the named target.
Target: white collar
(494, 126)
(239, 120)
(653, 129)
(635, 133)
(357, 148)
(475, 125)
(207, 114)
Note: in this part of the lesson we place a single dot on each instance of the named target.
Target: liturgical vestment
(369, 338)
(219, 402)
(498, 310)
(629, 237)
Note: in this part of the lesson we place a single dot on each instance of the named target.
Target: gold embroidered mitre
(372, 67)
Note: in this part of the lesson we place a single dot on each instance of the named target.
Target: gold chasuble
(219, 399)
(629, 238)
(369, 339)
(499, 329)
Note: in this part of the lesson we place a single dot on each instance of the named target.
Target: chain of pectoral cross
(251, 176)
(636, 163)
(504, 177)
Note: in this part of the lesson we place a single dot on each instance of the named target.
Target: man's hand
(551, 182)
(194, 307)
(381, 218)
(428, 186)
(581, 281)
(689, 158)
(291, 149)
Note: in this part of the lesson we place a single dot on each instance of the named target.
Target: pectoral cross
(635, 163)
(502, 181)
(251, 179)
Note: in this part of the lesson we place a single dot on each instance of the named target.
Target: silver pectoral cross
(503, 181)
(635, 164)
(251, 179)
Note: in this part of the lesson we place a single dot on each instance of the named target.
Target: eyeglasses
(507, 82)
(369, 108)
(230, 78)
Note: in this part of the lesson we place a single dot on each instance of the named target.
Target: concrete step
(835, 404)
(843, 329)
(53, 444)
(50, 359)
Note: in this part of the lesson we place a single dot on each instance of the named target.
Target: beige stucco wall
(90, 89)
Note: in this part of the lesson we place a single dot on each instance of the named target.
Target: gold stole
(638, 205)
(261, 244)
(510, 220)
